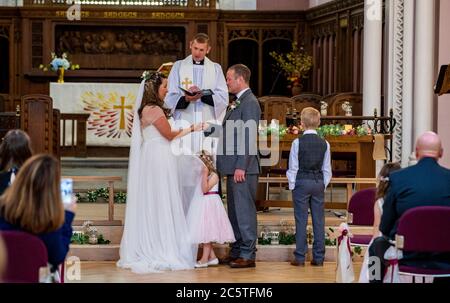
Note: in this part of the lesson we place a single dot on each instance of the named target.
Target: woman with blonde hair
(33, 204)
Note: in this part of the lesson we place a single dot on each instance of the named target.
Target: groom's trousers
(241, 206)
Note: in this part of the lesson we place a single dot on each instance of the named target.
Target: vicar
(194, 74)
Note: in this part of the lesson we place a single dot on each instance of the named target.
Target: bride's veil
(190, 176)
(129, 237)
(189, 171)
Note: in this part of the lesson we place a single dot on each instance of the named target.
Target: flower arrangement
(58, 63)
(341, 130)
(89, 235)
(295, 65)
(273, 129)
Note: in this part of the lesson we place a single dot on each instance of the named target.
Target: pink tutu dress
(208, 220)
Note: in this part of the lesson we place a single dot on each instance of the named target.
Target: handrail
(110, 180)
(348, 181)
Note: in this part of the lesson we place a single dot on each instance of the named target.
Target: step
(104, 252)
(265, 253)
(111, 233)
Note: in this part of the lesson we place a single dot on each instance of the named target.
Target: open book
(204, 92)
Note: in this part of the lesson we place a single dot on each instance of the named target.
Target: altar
(110, 106)
(351, 155)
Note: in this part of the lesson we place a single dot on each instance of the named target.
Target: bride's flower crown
(152, 76)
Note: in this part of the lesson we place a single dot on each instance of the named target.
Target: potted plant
(295, 65)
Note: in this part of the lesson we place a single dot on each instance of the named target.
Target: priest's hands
(195, 97)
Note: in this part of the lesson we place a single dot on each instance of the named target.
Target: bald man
(424, 184)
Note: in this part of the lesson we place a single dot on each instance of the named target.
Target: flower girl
(208, 220)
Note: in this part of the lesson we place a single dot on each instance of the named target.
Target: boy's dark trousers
(309, 193)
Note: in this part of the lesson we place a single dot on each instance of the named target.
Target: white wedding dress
(155, 236)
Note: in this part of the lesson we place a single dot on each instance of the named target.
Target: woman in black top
(14, 151)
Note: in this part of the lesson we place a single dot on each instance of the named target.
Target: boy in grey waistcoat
(309, 174)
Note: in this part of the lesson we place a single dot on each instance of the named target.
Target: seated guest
(33, 204)
(424, 184)
(14, 151)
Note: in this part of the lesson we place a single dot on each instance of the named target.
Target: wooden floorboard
(276, 272)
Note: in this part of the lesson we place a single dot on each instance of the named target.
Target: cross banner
(110, 106)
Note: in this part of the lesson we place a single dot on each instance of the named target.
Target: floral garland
(273, 129)
(341, 130)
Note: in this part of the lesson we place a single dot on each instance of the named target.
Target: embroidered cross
(186, 82)
(122, 108)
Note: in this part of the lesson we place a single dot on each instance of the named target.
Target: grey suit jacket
(238, 141)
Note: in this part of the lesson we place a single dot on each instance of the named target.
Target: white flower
(235, 104)
(145, 75)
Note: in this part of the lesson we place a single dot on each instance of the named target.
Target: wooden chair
(275, 107)
(8, 121)
(37, 120)
(336, 101)
(306, 100)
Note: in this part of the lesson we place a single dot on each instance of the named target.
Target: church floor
(264, 272)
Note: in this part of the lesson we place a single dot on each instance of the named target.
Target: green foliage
(357, 250)
(92, 196)
(339, 130)
(101, 193)
(81, 238)
(101, 240)
(280, 130)
(330, 130)
(330, 242)
(120, 197)
(262, 241)
(286, 238)
(363, 130)
(295, 65)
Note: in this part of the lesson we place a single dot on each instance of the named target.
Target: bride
(155, 235)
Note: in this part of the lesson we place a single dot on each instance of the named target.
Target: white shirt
(291, 173)
(239, 94)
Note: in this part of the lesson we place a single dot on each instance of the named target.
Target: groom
(237, 158)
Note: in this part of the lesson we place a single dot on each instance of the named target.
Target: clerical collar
(198, 62)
